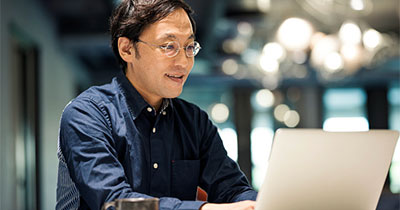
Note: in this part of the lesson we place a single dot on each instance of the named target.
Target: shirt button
(155, 165)
(149, 109)
(154, 130)
(164, 112)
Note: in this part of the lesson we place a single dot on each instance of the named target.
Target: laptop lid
(311, 169)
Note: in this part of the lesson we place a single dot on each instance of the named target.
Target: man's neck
(154, 102)
(156, 105)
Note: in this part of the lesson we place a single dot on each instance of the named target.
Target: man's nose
(181, 59)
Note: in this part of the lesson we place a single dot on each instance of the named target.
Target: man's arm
(88, 147)
(221, 177)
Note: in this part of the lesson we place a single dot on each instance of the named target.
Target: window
(261, 135)
(345, 110)
(394, 123)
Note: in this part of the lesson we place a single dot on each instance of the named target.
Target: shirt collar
(135, 101)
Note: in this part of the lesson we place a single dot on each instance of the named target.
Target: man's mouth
(178, 78)
(172, 76)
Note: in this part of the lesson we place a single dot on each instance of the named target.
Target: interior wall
(58, 73)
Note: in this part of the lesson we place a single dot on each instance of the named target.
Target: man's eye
(190, 47)
(170, 47)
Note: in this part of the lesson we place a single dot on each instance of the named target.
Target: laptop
(312, 169)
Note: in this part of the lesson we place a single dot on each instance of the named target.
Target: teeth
(174, 76)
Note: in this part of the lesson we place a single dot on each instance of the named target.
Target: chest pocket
(185, 179)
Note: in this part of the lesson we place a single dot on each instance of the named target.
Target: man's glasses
(171, 49)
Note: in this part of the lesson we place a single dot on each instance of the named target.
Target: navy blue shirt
(113, 144)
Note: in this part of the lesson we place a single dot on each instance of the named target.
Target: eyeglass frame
(178, 49)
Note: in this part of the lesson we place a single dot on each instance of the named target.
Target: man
(133, 137)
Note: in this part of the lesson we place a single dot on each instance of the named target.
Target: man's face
(155, 75)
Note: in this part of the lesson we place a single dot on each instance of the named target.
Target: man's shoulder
(100, 93)
(95, 96)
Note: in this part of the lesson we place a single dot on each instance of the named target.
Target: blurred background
(265, 64)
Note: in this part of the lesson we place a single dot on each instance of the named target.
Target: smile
(174, 76)
(178, 78)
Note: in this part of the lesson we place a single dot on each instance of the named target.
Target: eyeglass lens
(172, 49)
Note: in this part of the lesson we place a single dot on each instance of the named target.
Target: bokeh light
(229, 139)
(371, 39)
(350, 33)
(219, 113)
(265, 98)
(357, 5)
(295, 34)
(245, 28)
(268, 64)
(322, 48)
(264, 5)
(280, 111)
(274, 50)
(333, 62)
(230, 66)
(291, 118)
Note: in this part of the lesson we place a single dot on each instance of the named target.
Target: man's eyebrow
(172, 36)
(169, 36)
(192, 36)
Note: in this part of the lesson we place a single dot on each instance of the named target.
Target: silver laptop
(311, 169)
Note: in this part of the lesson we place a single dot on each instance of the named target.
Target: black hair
(131, 17)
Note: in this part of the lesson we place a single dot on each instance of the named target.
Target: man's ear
(125, 49)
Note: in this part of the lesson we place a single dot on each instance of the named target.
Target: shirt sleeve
(221, 177)
(87, 144)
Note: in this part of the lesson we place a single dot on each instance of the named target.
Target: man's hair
(131, 17)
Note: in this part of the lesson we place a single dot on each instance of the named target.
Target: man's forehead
(175, 26)
(178, 18)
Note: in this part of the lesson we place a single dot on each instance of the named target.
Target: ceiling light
(322, 48)
(352, 56)
(295, 34)
(357, 5)
(333, 62)
(371, 39)
(350, 52)
(264, 5)
(268, 64)
(350, 33)
(274, 50)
